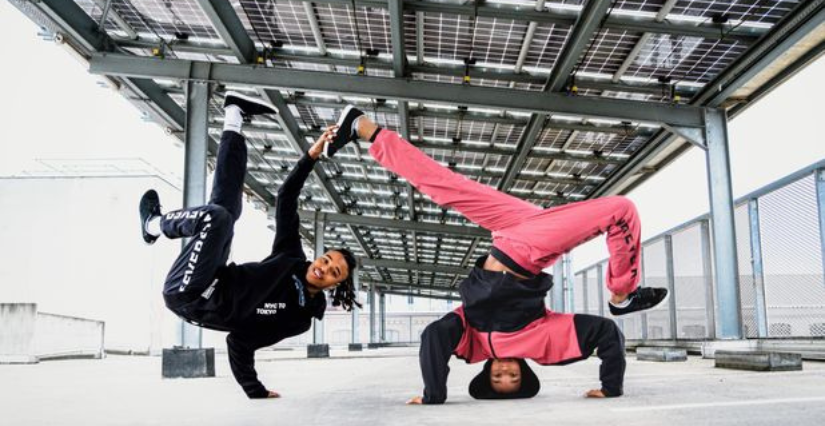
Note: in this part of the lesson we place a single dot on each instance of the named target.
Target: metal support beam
(707, 273)
(476, 73)
(528, 39)
(569, 288)
(318, 325)
(408, 289)
(587, 24)
(759, 305)
(372, 301)
(671, 287)
(820, 199)
(422, 295)
(230, 29)
(523, 149)
(436, 228)
(356, 311)
(309, 9)
(398, 264)
(382, 311)
(558, 286)
(399, 56)
(695, 136)
(390, 88)
(194, 180)
(468, 147)
(600, 286)
(724, 238)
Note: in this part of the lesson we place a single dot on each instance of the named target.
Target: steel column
(724, 233)
(707, 274)
(196, 140)
(643, 316)
(558, 286)
(318, 325)
(569, 286)
(585, 283)
(760, 306)
(600, 287)
(382, 312)
(356, 311)
(820, 198)
(671, 286)
(373, 330)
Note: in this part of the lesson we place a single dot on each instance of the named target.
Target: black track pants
(210, 226)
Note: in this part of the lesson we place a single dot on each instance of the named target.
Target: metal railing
(780, 237)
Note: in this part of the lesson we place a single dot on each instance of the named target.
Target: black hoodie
(262, 303)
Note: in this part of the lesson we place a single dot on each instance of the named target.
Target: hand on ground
(595, 393)
(318, 147)
(273, 394)
(415, 401)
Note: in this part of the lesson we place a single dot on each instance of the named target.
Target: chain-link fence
(780, 237)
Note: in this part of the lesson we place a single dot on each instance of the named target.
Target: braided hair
(345, 294)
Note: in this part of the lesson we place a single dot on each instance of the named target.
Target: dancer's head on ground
(505, 375)
(334, 270)
(508, 378)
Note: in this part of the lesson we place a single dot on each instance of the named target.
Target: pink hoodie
(548, 340)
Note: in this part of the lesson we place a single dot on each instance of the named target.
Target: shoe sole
(641, 311)
(148, 238)
(250, 99)
(340, 121)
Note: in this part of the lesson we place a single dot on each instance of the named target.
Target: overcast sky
(52, 108)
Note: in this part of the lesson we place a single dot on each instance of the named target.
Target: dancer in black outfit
(258, 303)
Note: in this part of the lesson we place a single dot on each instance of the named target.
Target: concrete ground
(370, 388)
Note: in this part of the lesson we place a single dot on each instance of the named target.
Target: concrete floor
(370, 389)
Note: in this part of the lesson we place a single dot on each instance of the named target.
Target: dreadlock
(345, 293)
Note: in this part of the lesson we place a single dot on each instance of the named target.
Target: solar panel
(566, 163)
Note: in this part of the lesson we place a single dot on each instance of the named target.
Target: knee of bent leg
(624, 204)
(219, 215)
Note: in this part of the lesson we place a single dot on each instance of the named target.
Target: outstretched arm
(242, 361)
(605, 337)
(287, 221)
(438, 342)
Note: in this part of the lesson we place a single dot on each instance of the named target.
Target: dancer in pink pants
(526, 240)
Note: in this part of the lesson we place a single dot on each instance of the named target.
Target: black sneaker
(641, 299)
(345, 133)
(249, 105)
(149, 209)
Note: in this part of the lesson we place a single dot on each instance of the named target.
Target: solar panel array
(571, 156)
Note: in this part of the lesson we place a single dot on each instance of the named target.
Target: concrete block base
(661, 354)
(709, 348)
(318, 351)
(188, 363)
(355, 347)
(375, 345)
(759, 361)
(18, 359)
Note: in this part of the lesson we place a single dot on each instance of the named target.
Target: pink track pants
(531, 236)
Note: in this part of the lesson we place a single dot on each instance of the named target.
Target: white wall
(73, 246)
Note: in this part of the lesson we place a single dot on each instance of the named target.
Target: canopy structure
(551, 101)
